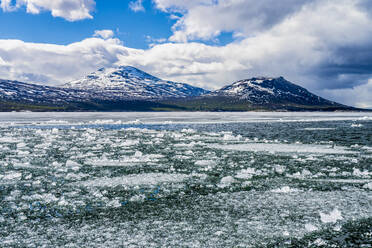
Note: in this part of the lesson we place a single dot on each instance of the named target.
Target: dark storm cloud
(365, 5)
(349, 67)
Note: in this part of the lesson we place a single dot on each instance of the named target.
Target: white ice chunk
(226, 181)
(246, 173)
(284, 189)
(13, 176)
(359, 173)
(368, 186)
(310, 227)
(205, 163)
(356, 125)
(331, 217)
(136, 180)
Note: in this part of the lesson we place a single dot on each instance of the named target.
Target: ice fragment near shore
(368, 186)
(226, 181)
(331, 217)
(284, 189)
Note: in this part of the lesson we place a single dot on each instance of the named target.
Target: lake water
(185, 179)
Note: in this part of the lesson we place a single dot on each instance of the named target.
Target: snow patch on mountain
(240, 86)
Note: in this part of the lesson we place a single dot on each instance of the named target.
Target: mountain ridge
(126, 88)
(263, 90)
(130, 82)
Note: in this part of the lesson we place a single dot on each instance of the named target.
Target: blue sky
(322, 45)
(132, 28)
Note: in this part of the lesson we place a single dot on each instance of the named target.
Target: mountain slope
(261, 93)
(25, 92)
(18, 96)
(127, 82)
(263, 90)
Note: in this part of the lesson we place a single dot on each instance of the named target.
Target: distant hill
(127, 88)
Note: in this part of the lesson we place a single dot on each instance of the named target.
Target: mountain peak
(265, 90)
(121, 72)
(259, 79)
(131, 82)
(134, 71)
(254, 85)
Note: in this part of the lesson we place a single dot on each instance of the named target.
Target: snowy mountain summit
(270, 90)
(131, 83)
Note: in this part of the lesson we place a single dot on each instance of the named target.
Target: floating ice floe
(368, 148)
(365, 118)
(351, 181)
(359, 173)
(115, 203)
(73, 165)
(228, 136)
(320, 242)
(226, 181)
(246, 173)
(318, 128)
(138, 157)
(12, 176)
(191, 144)
(205, 163)
(9, 140)
(331, 217)
(188, 131)
(284, 148)
(279, 168)
(56, 122)
(368, 186)
(130, 143)
(63, 202)
(356, 125)
(138, 198)
(21, 145)
(284, 189)
(103, 122)
(136, 180)
(310, 227)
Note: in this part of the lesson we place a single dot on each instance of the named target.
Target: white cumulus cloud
(180, 5)
(105, 34)
(6, 5)
(56, 64)
(136, 6)
(71, 10)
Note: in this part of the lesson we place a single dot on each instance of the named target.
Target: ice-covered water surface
(185, 179)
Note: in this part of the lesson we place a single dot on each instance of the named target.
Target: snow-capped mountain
(127, 82)
(268, 90)
(130, 89)
(19, 96)
(25, 92)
